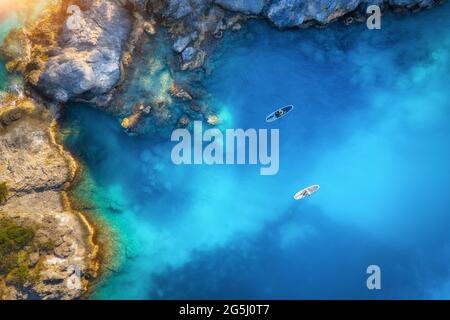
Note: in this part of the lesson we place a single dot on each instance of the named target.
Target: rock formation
(86, 62)
(37, 171)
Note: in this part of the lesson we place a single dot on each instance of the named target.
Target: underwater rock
(192, 58)
(184, 121)
(181, 43)
(126, 122)
(145, 109)
(180, 93)
(131, 122)
(189, 53)
(213, 120)
(196, 108)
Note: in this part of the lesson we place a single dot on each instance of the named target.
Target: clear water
(3, 75)
(6, 24)
(371, 126)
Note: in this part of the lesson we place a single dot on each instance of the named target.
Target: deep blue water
(371, 126)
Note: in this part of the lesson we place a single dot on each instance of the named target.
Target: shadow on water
(299, 256)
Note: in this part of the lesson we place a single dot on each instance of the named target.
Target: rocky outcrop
(283, 13)
(37, 171)
(193, 58)
(87, 61)
(179, 9)
(244, 6)
(60, 260)
(210, 18)
(292, 13)
(90, 58)
(183, 41)
(193, 29)
(27, 159)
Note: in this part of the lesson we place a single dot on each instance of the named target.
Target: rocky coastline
(101, 63)
(101, 60)
(61, 258)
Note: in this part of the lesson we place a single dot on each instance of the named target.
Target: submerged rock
(213, 120)
(192, 58)
(181, 43)
(180, 93)
(189, 54)
(184, 121)
(131, 122)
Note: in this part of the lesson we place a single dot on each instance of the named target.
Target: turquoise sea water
(371, 126)
(6, 25)
(3, 75)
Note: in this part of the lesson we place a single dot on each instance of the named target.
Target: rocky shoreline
(38, 173)
(121, 47)
(136, 59)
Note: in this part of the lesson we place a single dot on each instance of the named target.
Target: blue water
(3, 75)
(6, 24)
(371, 126)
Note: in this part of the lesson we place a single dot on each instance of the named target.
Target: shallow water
(7, 23)
(371, 126)
(3, 75)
